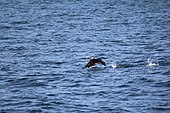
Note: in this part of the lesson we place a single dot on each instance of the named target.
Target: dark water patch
(22, 103)
(164, 62)
(160, 109)
(115, 109)
(146, 79)
(155, 72)
(20, 22)
(74, 85)
(162, 84)
(4, 27)
(25, 82)
(3, 111)
(138, 62)
(160, 49)
(124, 86)
(124, 65)
(5, 68)
(52, 62)
(15, 90)
(167, 73)
(17, 48)
(16, 28)
(103, 29)
(36, 111)
(44, 44)
(53, 95)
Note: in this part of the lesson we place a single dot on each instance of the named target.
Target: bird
(94, 61)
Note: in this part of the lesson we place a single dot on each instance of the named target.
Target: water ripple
(44, 46)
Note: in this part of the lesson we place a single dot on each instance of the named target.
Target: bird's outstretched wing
(89, 64)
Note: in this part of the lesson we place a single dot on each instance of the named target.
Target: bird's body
(94, 61)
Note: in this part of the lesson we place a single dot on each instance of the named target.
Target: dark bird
(95, 61)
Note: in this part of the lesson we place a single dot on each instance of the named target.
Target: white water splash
(114, 66)
(152, 63)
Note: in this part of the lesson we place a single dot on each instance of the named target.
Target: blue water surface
(44, 45)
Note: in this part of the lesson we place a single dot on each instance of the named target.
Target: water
(44, 45)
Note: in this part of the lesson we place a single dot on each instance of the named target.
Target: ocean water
(44, 45)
